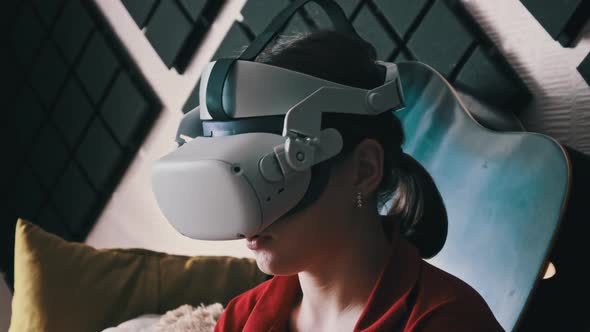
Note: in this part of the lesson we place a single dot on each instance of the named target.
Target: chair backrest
(505, 193)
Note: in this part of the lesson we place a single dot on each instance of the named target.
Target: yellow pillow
(63, 286)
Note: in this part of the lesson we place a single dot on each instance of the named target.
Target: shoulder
(446, 303)
(238, 310)
(441, 284)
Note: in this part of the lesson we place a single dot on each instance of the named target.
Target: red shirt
(410, 295)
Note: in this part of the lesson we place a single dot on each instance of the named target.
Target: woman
(337, 264)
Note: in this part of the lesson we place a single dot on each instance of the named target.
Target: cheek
(334, 207)
(337, 197)
(309, 235)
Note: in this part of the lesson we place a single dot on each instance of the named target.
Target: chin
(270, 264)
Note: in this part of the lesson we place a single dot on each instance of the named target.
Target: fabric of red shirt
(409, 295)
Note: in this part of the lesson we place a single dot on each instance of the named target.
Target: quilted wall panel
(563, 20)
(81, 111)
(175, 28)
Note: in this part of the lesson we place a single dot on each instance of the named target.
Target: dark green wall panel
(482, 74)
(401, 14)
(123, 110)
(364, 23)
(175, 28)
(99, 154)
(584, 69)
(97, 67)
(167, 30)
(73, 199)
(72, 29)
(25, 35)
(258, 14)
(48, 74)
(72, 113)
(49, 155)
(441, 40)
(80, 109)
(139, 10)
(562, 19)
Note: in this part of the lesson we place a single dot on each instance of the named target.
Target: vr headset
(232, 176)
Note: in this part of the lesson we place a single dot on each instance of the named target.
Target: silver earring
(359, 199)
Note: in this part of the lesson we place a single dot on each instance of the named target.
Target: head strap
(220, 71)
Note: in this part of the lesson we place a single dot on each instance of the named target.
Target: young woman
(337, 264)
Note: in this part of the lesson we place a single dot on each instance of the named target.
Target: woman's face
(290, 245)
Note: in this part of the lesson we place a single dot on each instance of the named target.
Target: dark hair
(349, 60)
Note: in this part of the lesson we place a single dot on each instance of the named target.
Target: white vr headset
(231, 176)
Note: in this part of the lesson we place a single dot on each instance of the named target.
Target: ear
(367, 163)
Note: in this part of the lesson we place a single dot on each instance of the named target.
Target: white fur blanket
(185, 318)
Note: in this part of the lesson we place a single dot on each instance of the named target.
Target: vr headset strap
(219, 72)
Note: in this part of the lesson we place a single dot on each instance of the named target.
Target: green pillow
(63, 286)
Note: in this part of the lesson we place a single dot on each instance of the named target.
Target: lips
(257, 242)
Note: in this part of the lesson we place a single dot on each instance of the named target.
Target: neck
(340, 284)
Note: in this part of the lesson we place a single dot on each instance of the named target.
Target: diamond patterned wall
(584, 68)
(438, 32)
(563, 19)
(81, 111)
(175, 28)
